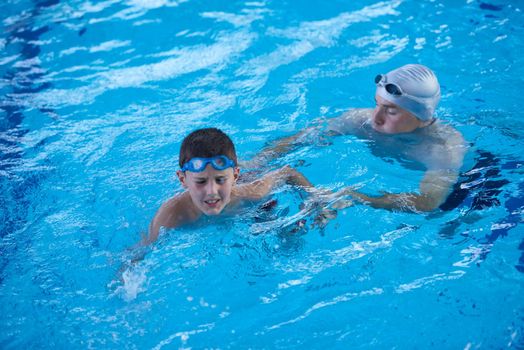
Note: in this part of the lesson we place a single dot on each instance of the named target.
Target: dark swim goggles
(391, 88)
(395, 90)
(197, 165)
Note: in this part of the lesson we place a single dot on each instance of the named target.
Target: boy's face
(210, 190)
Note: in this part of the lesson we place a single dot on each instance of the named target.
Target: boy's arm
(170, 215)
(262, 187)
(163, 216)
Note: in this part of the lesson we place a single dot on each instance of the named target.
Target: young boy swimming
(209, 172)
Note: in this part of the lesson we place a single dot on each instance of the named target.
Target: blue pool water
(96, 98)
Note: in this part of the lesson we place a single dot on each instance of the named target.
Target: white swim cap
(413, 87)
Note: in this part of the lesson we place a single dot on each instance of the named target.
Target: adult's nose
(378, 116)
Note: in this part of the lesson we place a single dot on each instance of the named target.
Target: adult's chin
(381, 130)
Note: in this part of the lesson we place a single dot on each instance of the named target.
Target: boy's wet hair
(206, 143)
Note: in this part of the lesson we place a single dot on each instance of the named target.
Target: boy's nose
(212, 188)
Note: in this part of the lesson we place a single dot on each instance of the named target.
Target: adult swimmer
(402, 125)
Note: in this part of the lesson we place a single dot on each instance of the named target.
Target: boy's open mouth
(212, 202)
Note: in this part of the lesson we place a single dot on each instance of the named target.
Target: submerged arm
(434, 189)
(443, 164)
(262, 187)
(279, 147)
(347, 123)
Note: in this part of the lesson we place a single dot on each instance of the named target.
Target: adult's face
(388, 118)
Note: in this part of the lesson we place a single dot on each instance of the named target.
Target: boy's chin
(212, 211)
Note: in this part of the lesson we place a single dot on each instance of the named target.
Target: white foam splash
(134, 280)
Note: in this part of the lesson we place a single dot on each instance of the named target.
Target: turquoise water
(96, 98)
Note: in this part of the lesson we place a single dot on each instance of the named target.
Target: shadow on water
(22, 36)
(482, 187)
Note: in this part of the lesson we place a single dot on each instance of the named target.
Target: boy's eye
(220, 180)
(200, 182)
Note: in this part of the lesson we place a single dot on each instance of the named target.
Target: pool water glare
(96, 98)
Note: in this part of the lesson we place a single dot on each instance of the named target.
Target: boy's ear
(236, 173)
(182, 178)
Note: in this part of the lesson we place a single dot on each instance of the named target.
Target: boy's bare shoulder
(175, 211)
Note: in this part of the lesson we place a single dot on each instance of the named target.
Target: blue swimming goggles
(197, 165)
